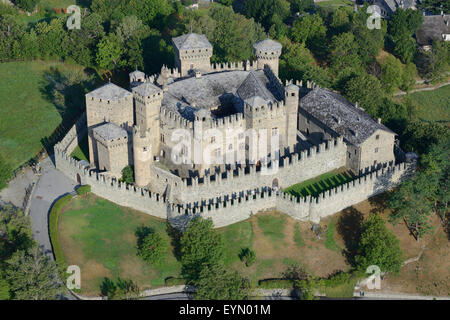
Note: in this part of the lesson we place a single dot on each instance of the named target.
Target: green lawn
(27, 112)
(335, 4)
(320, 184)
(100, 237)
(433, 105)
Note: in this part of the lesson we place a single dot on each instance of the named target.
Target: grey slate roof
(187, 95)
(254, 85)
(110, 131)
(147, 89)
(393, 5)
(191, 41)
(336, 112)
(109, 91)
(432, 28)
(267, 45)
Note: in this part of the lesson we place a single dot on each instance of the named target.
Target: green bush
(127, 175)
(82, 190)
(53, 228)
(248, 256)
(276, 284)
(172, 281)
(152, 248)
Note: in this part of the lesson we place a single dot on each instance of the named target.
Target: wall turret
(291, 101)
(268, 52)
(142, 155)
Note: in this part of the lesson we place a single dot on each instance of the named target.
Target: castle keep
(165, 123)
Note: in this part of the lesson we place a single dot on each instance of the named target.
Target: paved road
(51, 186)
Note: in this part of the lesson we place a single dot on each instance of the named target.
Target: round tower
(136, 78)
(142, 156)
(268, 52)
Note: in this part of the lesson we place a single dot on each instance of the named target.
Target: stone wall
(231, 200)
(298, 167)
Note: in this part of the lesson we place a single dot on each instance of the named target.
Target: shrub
(119, 289)
(276, 284)
(248, 256)
(127, 175)
(53, 227)
(82, 190)
(172, 281)
(152, 248)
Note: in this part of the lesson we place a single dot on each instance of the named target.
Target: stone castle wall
(229, 200)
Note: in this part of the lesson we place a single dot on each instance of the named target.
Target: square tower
(192, 51)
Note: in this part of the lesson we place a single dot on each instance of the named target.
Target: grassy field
(27, 114)
(99, 237)
(433, 105)
(333, 4)
(320, 184)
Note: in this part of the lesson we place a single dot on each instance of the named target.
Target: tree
(409, 76)
(434, 64)
(27, 5)
(378, 246)
(247, 256)
(302, 5)
(434, 6)
(152, 248)
(412, 203)
(201, 247)
(405, 48)
(344, 53)
(419, 136)
(264, 10)
(33, 276)
(366, 90)
(310, 30)
(109, 52)
(391, 74)
(15, 231)
(215, 282)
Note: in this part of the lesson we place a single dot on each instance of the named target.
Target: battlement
(174, 118)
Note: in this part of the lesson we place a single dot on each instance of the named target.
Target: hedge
(53, 227)
(276, 284)
(82, 190)
(174, 281)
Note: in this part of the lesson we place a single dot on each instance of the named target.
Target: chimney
(379, 120)
(356, 104)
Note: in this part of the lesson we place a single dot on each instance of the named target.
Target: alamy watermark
(74, 21)
(74, 280)
(374, 20)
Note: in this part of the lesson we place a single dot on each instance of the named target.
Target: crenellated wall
(294, 169)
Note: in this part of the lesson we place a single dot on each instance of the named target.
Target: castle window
(241, 135)
(377, 137)
(241, 146)
(230, 147)
(349, 155)
(274, 131)
(145, 149)
(293, 94)
(217, 152)
(376, 150)
(162, 137)
(213, 139)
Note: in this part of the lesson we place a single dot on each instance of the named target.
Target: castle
(166, 125)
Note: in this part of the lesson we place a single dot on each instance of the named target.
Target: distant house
(436, 27)
(388, 7)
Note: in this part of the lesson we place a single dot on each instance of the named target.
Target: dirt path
(401, 93)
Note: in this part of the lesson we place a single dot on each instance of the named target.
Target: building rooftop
(268, 45)
(255, 101)
(147, 89)
(433, 27)
(110, 131)
(336, 112)
(393, 5)
(215, 89)
(109, 91)
(191, 41)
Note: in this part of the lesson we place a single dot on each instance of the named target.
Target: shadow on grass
(349, 227)
(174, 235)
